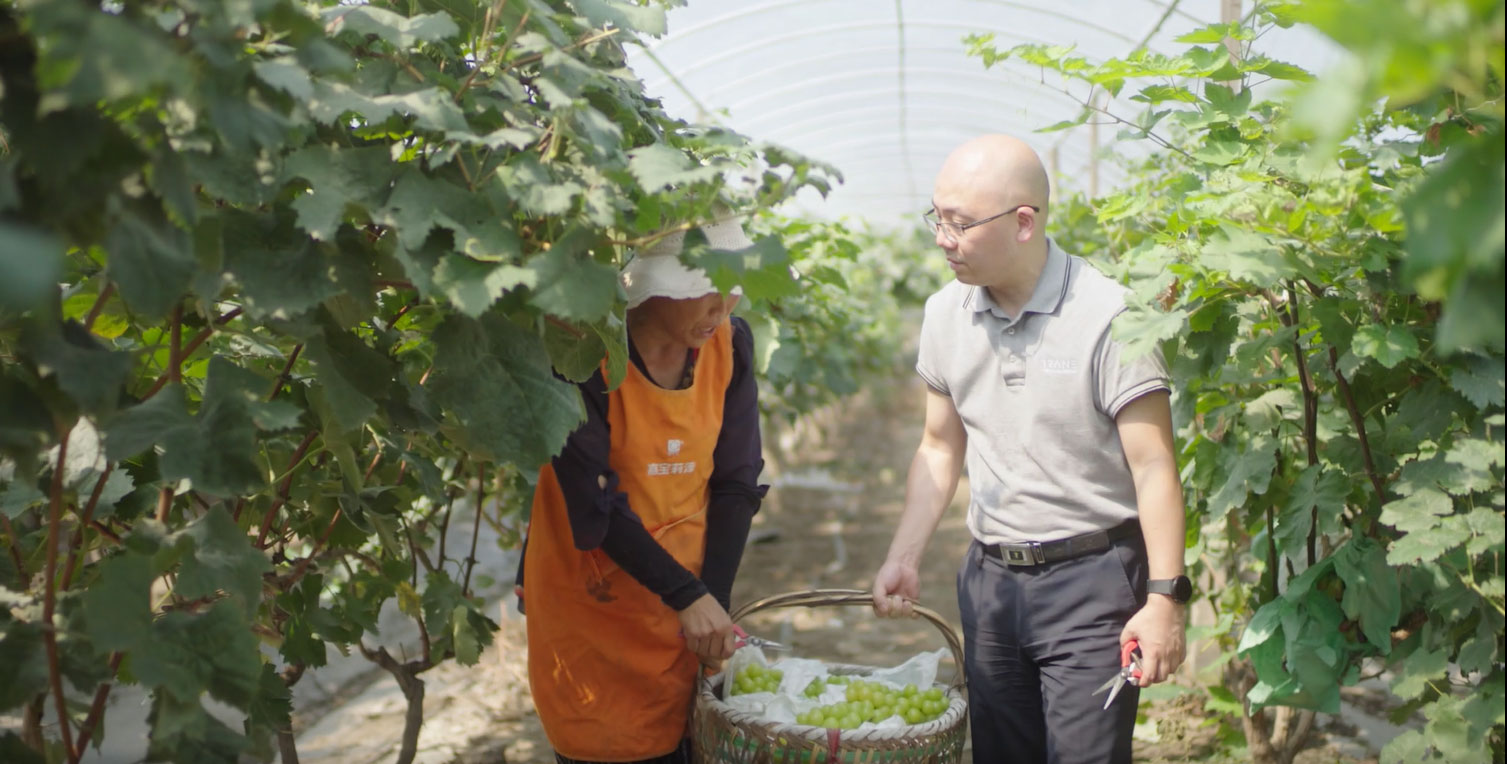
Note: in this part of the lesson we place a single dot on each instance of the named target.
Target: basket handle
(827, 597)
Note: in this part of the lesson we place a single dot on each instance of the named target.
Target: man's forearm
(1145, 428)
(1159, 503)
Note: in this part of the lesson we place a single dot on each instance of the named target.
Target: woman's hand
(707, 629)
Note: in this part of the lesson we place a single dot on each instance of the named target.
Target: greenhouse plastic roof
(884, 90)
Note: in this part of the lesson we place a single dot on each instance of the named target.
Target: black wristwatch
(1180, 589)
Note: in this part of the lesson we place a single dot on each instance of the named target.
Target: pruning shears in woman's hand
(767, 644)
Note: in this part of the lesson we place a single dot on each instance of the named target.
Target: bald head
(998, 166)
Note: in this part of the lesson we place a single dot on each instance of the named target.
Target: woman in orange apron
(638, 526)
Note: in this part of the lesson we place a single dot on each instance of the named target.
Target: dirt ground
(826, 525)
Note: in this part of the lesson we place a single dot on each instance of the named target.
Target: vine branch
(174, 374)
(566, 327)
(529, 59)
(49, 599)
(164, 503)
(85, 518)
(287, 747)
(98, 306)
(175, 346)
(1360, 425)
(282, 490)
(486, 34)
(302, 565)
(376, 460)
(1152, 136)
(282, 378)
(106, 531)
(1271, 550)
(445, 526)
(481, 486)
(407, 675)
(189, 349)
(1310, 409)
(97, 708)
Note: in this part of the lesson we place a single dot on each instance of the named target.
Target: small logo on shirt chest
(673, 447)
(1059, 365)
(671, 468)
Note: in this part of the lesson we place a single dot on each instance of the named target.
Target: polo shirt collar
(1051, 287)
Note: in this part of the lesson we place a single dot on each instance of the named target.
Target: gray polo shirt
(1038, 396)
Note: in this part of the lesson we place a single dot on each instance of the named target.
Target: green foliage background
(1326, 277)
(320, 265)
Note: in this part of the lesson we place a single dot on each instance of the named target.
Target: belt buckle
(1029, 553)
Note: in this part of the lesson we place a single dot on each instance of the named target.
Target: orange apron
(609, 670)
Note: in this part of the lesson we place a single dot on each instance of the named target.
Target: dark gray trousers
(1037, 642)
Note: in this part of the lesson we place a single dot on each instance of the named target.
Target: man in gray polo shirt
(1075, 500)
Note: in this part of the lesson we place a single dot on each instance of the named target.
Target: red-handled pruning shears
(744, 639)
(1130, 670)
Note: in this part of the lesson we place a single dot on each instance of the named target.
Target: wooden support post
(1093, 150)
(1054, 166)
(1230, 13)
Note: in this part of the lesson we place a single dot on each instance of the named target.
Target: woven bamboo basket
(722, 735)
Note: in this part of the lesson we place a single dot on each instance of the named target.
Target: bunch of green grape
(873, 702)
(819, 684)
(757, 678)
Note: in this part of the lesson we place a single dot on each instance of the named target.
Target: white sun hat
(656, 271)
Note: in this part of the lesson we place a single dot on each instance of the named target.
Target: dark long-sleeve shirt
(600, 517)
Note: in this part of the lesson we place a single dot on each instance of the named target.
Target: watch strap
(1179, 588)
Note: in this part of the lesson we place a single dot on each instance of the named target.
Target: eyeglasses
(955, 231)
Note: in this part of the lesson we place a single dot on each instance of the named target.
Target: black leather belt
(1043, 552)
